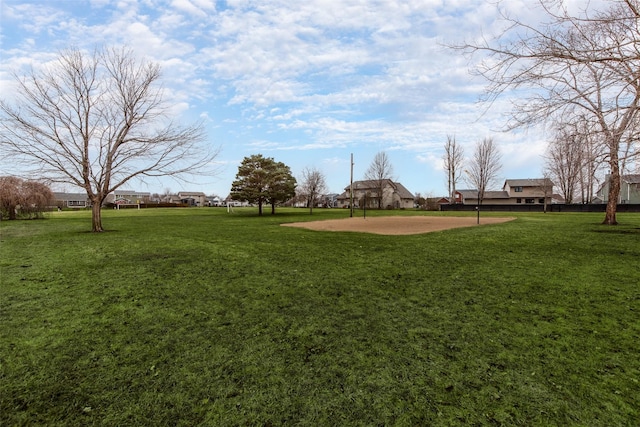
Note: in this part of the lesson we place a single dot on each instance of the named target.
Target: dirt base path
(395, 225)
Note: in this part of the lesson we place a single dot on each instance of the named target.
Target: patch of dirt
(396, 225)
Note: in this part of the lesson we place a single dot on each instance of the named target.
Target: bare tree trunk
(614, 193)
(96, 216)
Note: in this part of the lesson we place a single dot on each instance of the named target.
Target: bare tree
(378, 172)
(593, 154)
(97, 122)
(453, 161)
(313, 185)
(585, 64)
(166, 195)
(484, 166)
(545, 186)
(564, 160)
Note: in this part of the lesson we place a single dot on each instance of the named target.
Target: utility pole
(351, 190)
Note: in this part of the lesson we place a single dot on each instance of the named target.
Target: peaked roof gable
(373, 185)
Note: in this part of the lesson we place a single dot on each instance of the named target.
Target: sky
(308, 83)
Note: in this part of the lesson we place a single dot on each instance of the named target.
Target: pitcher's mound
(395, 225)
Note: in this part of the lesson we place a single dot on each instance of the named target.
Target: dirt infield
(395, 225)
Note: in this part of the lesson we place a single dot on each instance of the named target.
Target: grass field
(199, 317)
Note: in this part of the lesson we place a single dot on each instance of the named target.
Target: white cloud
(296, 75)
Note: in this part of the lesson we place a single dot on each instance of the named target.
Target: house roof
(631, 179)
(473, 194)
(70, 196)
(191, 193)
(403, 192)
(400, 189)
(118, 193)
(496, 195)
(528, 182)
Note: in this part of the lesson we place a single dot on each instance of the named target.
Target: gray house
(72, 200)
(629, 189)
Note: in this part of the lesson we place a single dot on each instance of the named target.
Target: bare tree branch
(453, 161)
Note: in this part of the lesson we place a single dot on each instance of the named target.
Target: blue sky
(305, 82)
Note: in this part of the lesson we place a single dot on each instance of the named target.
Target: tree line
(98, 120)
(261, 180)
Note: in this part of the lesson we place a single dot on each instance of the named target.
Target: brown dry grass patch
(396, 225)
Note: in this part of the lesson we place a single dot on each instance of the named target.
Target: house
(365, 193)
(72, 200)
(127, 197)
(330, 200)
(235, 203)
(514, 191)
(194, 198)
(629, 189)
(214, 201)
(537, 190)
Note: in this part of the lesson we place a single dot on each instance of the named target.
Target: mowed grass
(199, 317)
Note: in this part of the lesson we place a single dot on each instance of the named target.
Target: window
(541, 201)
(517, 189)
(529, 200)
(518, 200)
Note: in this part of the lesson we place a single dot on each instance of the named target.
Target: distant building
(394, 195)
(193, 198)
(214, 201)
(72, 200)
(127, 197)
(514, 191)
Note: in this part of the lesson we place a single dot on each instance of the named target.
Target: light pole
(351, 190)
(478, 208)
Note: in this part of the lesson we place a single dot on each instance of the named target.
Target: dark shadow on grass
(616, 230)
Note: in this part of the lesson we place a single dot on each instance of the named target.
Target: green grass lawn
(199, 317)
